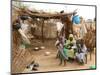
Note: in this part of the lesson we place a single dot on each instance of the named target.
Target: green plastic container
(92, 67)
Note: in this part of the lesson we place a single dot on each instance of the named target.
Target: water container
(76, 19)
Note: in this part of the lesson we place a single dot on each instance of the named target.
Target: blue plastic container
(76, 19)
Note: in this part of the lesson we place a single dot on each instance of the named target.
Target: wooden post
(42, 28)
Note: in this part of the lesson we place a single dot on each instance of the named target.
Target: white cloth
(56, 42)
(84, 49)
(24, 27)
(83, 30)
(31, 66)
(80, 56)
(59, 26)
(24, 37)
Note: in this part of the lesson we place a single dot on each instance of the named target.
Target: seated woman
(70, 53)
(69, 48)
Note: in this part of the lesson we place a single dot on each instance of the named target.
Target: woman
(69, 47)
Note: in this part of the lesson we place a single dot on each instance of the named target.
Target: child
(80, 57)
(81, 53)
(61, 55)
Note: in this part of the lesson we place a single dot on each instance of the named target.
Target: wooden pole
(42, 29)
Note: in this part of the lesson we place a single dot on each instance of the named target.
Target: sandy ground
(50, 63)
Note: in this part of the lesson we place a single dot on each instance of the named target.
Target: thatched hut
(20, 56)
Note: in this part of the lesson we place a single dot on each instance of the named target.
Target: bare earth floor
(50, 63)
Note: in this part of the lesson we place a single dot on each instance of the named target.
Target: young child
(81, 53)
(61, 55)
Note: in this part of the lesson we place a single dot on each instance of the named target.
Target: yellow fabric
(73, 41)
(70, 53)
(68, 41)
(71, 35)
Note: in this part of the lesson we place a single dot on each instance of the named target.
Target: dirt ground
(50, 63)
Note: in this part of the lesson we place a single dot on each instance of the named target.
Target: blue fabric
(76, 19)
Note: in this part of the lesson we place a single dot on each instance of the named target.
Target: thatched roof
(46, 15)
(42, 15)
